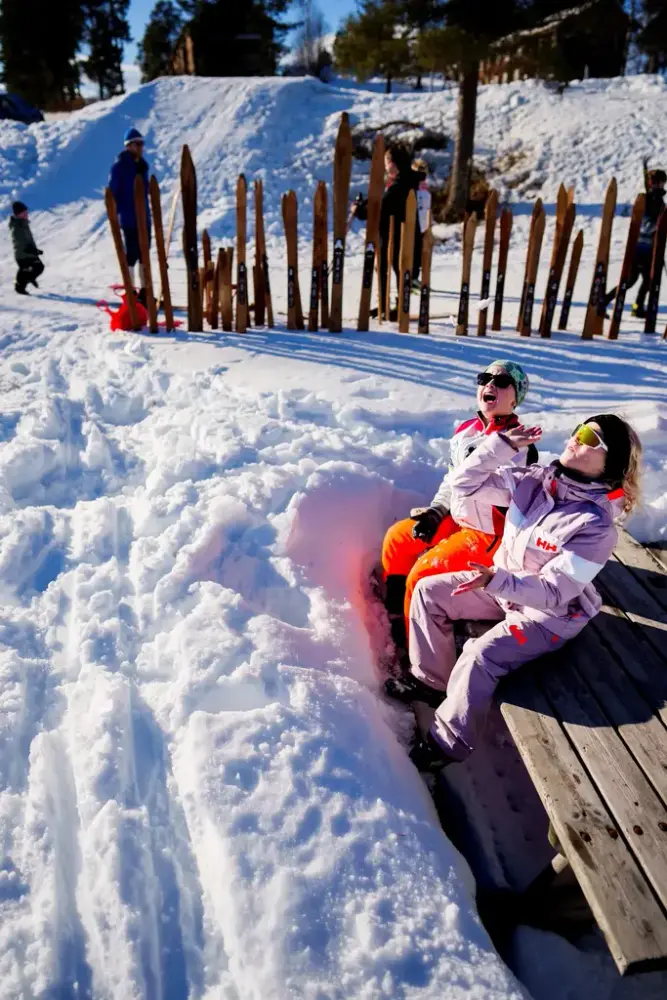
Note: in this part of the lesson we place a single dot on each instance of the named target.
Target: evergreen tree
(652, 39)
(106, 31)
(157, 46)
(375, 42)
(240, 39)
(39, 41)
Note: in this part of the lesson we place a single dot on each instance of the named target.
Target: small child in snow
(25, 251)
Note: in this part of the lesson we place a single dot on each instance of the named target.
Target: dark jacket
(393, 206)
(121, 181)
(25, 250)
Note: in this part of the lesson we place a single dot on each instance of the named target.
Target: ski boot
(408, 689)
(429, 757)
(638, 311)
(21, 290)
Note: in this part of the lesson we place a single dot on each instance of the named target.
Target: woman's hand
(520, 437)
(484, 577)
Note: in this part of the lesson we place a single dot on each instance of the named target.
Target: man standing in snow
(129, 165)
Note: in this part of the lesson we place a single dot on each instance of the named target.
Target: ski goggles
(587, 435)
(502, 380)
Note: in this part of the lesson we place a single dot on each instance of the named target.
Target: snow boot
(141, 297)
(429, 757)
(21, 290)
(408, 689)
(639, 311)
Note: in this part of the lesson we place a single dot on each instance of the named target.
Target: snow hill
(201, 792)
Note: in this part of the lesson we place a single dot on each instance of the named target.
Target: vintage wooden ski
(577, 247)
(594, 320)
(225, 278)
(260, 254)
(241, 269)
(341, 195)
(628, 259)
(189, 196)
(140, 194)
(503, 251)
(407, 262)
(537, 208)
(206, 253)
(324, 266)
(390, 263)
(490, 213)
(168, 237)
(556, 272)
(657, 264)
(215, 295)
(561, 210)
(531, 274)
(290, 220)
(464, 300)
(375, 189)
(114, 225)
(165, 291)
(319, 253)
(425, 293)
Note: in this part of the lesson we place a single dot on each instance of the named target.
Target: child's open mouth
(489, 396)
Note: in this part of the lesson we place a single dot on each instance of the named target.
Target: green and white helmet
(517, 374)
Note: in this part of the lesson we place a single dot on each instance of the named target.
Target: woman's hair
(623, 465)
(632, 479)
(399, 157)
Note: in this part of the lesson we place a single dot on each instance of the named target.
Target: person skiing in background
(128, 165)
(25, 250)
(431, 541)
(560, 531)
(654, 181)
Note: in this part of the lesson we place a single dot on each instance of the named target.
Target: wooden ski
(241, 269)
(215, 295)
(556, 272)
(165, 291)
(319, 254)
(375, 189)
(503, 251)
(407, 262)
(490, 213)
(189, 196)
(114, 225)
(537, 208)
(594, 320)
(425, 294)
(531, 274)
(206, 253)
(225, 279)
(145, 250)
(390, 263)
(657, 264)
(324, 272)
(577, 247)
(260, 254)
(341, 195)
(167, 239)
(561, 210)
(628, 259)
(290, 220)
(464, 300)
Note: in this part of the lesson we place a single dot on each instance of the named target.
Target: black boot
(409, 689)
(141, 297)
(394, 602)
(429, 757)
(21, 289)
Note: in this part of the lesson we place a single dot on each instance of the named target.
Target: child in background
(25, 251)
(420, 167)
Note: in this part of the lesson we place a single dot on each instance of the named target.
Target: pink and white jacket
(558, 534)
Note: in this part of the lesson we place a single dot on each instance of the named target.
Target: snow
(201, 791)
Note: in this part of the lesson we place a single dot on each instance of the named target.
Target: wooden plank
(647, 570)
(628, 914)
(636, 601)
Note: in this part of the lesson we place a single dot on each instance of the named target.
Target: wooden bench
(590, 723)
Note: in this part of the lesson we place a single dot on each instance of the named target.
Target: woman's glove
(428, 521)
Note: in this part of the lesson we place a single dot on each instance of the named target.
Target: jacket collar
(560, 485)
(500, 423)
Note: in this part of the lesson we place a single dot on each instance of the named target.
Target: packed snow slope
(201, 791)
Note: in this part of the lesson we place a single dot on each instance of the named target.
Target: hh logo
(542, 543)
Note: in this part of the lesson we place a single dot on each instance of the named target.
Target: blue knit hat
(132, 135)
(517, 374)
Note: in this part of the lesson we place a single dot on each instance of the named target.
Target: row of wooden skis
(565, 217)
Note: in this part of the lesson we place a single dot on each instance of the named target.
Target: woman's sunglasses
(501, 380)
(585, 434)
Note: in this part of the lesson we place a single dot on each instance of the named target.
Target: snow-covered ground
(201, 792)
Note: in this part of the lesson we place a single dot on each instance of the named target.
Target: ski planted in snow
(490, 213)
(190, 248)
(556, 271)
(594, 320)
(114, 225)
(225, 279)
(464, 300)
(206, 270)
(390, 264)
(341, 195)
(166, 241)
(531, 272)
(241, 269)
(626, 267)
(537, 208)
(577, 247)
(145, 250)
(657, 265)
(318, 274)
(425, 293)
(375, 188)
(290, 220)
(407, 262)
(561, 209)
(214, 309)
(165, 292)
(503, 251)
(260, 253)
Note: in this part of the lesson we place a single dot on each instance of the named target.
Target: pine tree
(106, 31)
(157, 46)
(652, 39)
(375, 42)
(39, 40)
(239, 39)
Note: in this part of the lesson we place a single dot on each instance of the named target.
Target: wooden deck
(590, 723)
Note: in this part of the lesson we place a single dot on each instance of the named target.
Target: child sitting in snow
(25, 251)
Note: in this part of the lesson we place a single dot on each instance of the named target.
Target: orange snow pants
(450, 551)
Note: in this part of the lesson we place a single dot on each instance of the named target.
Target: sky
(334, 11)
